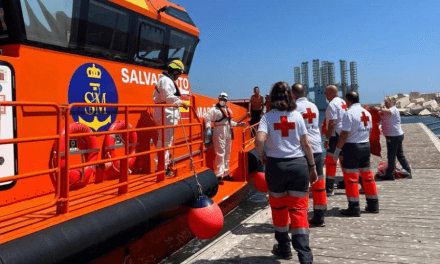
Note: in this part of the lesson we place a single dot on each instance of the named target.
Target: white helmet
(223, 96)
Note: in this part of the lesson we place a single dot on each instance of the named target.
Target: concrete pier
(407, 229)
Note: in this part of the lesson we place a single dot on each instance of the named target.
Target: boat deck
(405, 231)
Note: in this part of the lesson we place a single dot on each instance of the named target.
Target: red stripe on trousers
(368, 183)
(279, 208)
(330, 166)
(319, 197)
(351, 184)
(298, 212)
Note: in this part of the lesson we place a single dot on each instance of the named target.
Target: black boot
(329, 186)
(300, 243)
(372, 206)
(282, 249)
(318, 218)
(353, 210)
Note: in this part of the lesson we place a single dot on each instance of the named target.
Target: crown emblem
(93, 72)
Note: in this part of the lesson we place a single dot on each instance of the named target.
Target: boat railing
(62, 195)
(248, 139)
(25, 106)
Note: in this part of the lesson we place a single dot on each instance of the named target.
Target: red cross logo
(365, 119)
(344, 106)
(284, 126)
(310, 115)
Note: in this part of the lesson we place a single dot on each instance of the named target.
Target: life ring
(78, 178)
(112, 169)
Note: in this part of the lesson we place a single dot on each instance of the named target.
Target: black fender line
(85, 238)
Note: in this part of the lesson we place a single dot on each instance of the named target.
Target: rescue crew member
(256, 105)
(267, 103)
(355, 144)
(288, 172)
(167, 92)
(394, 135)
(221, 115)
(310, 113)
(333, 114)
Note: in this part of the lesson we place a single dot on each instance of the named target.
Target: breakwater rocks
(418, 104)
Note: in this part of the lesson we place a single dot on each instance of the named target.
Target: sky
(245, 43)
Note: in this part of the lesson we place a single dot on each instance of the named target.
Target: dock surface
(407, 229)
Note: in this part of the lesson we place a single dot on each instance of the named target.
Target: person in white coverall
(221, 116)
(167, 92)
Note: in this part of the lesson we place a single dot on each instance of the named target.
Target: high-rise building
(316, 75)
(297, 74)
(305, 76)
(344, 76)
(353, 76)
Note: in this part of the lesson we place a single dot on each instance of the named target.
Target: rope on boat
(191, 162)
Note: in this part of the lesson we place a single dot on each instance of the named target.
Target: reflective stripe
(353, 199)
(329, 154)
(331, 177)
(300, 231)
(282, 228)
(367, 169)
(351, 170)
(371, 196)
(320, 207)
(277, 195)
(320, 177)
(298, 194)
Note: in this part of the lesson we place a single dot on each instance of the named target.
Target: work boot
(384, 178)
(372, 206)
(284, 255)
(282, 249)
(169, 173)
(318, 218)
(228, 178)
(314, 222)
(341, 184)
(353, 210)
(329, 185)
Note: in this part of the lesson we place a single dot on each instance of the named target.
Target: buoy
(205, 218)
(260, 182)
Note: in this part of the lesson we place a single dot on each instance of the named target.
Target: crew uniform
(335, 110)
(287, 179)
(356, 158)
(310, 114)
(394, 135)
(166, 92)
(222, 136)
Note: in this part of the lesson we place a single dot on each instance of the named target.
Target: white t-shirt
(391, 123)
(357, 121)
(335, 110)
(310, 113)
(284, 131)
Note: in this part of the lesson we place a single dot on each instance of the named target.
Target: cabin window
(179, 14)
(151, 44)
(107, 31)
(4, 34)
(48, 21)
(181, 47)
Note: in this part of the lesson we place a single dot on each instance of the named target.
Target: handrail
(63, 195)
(124, 179)
(54, 171)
